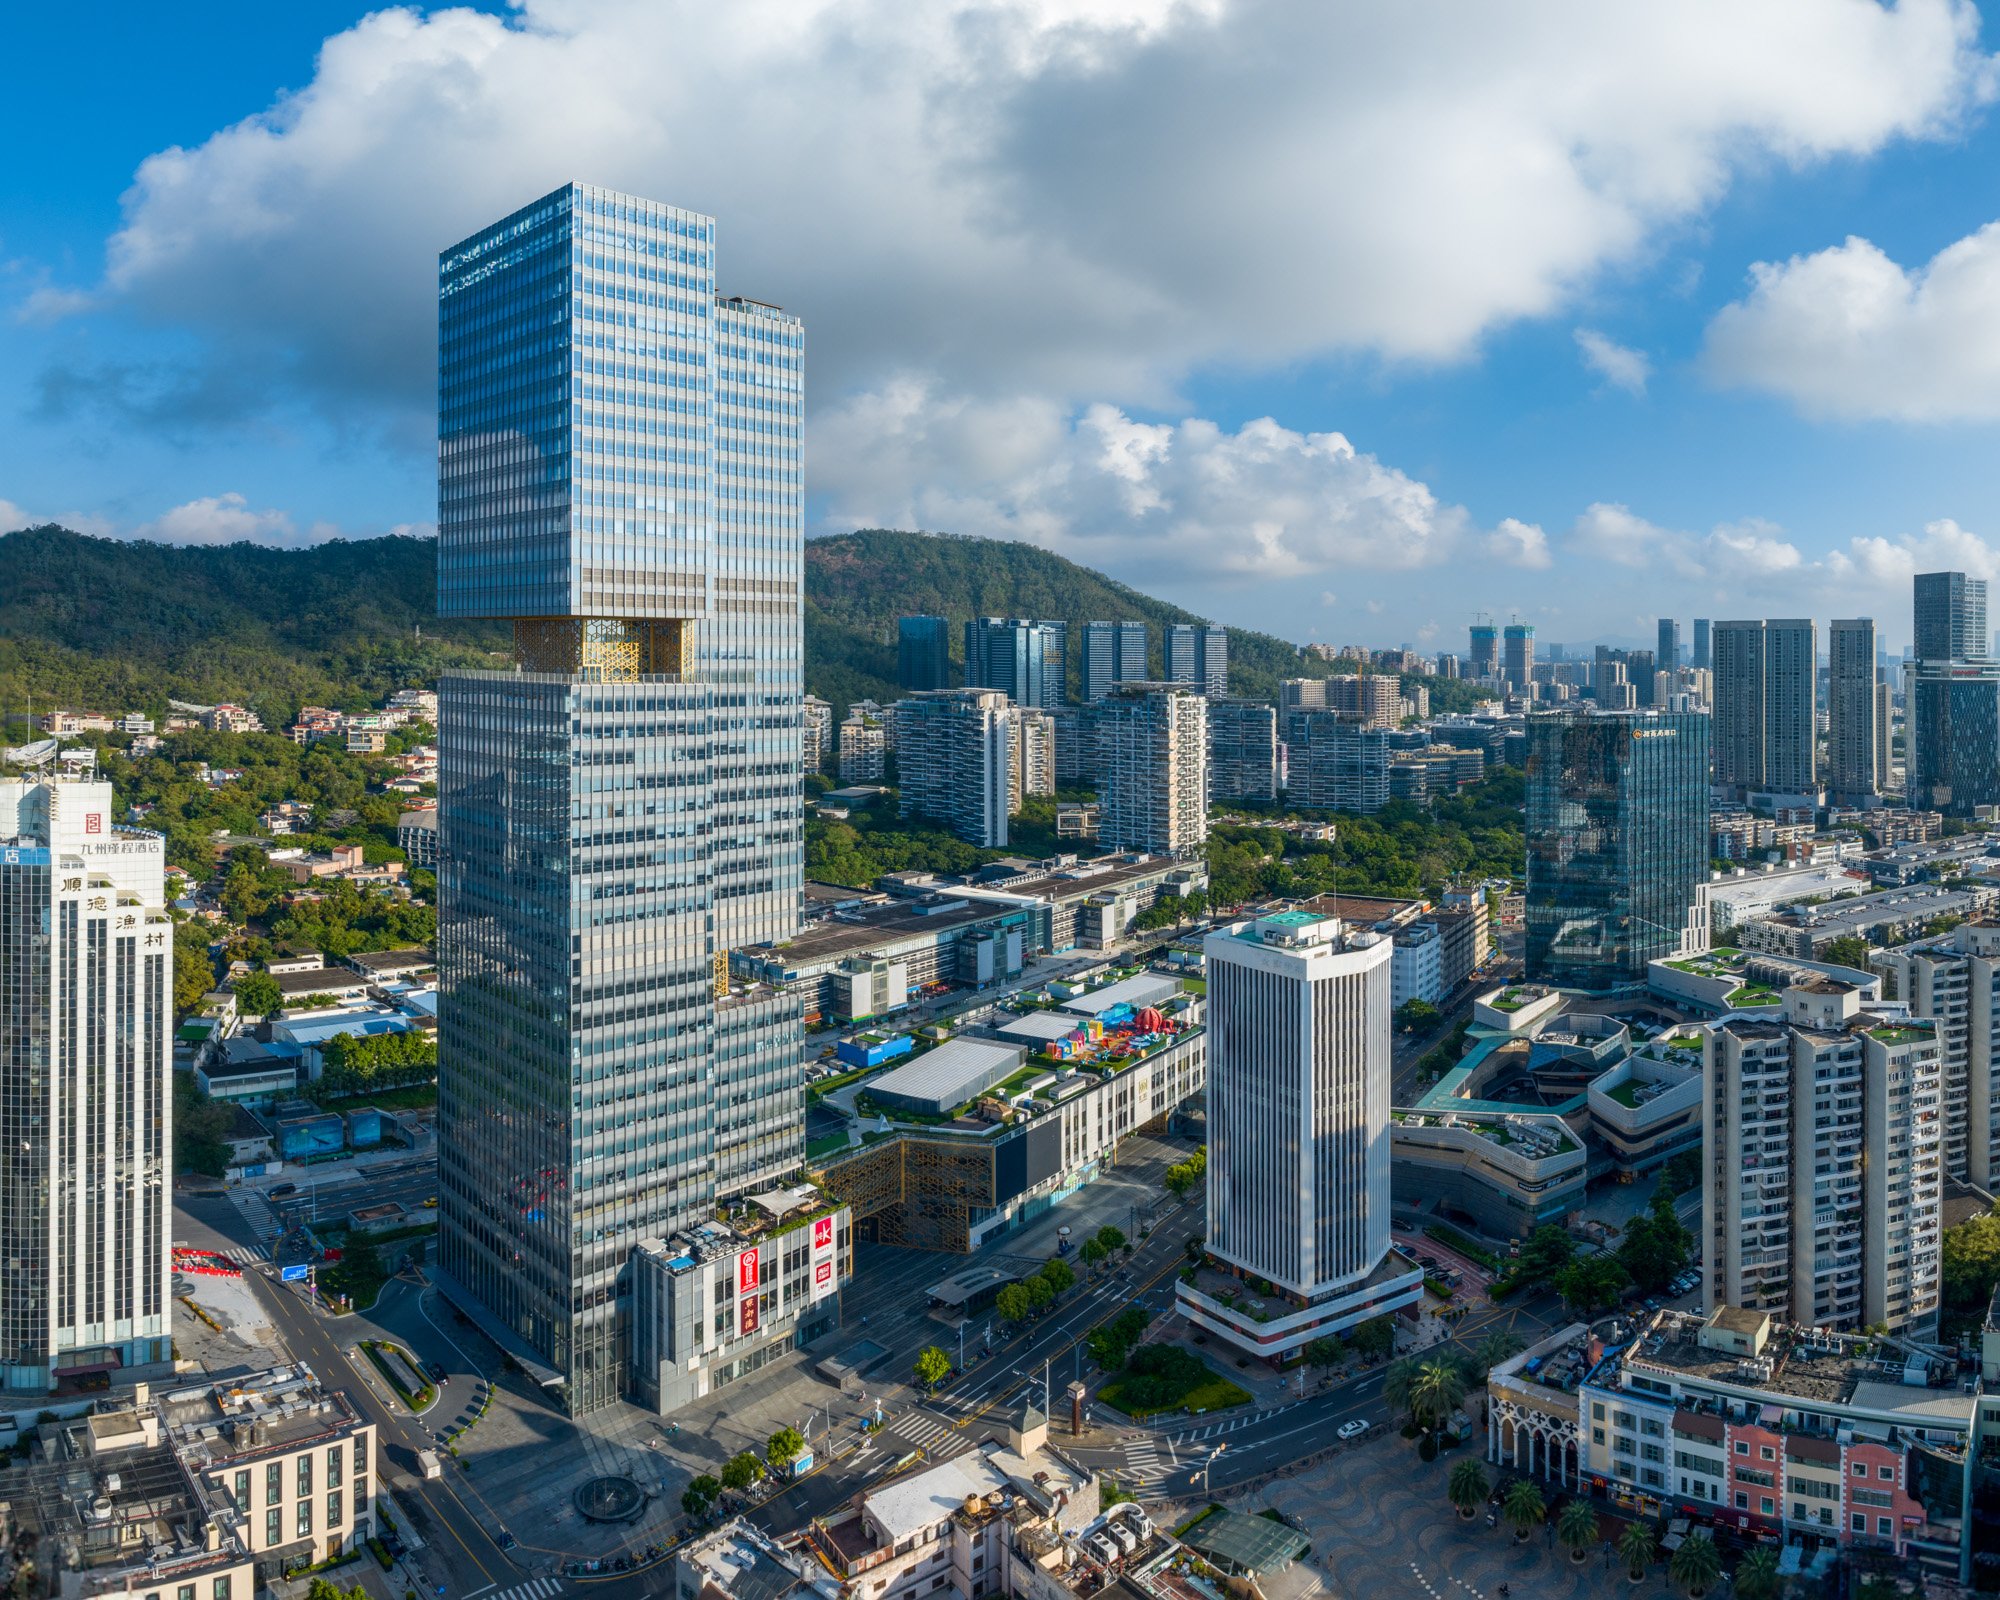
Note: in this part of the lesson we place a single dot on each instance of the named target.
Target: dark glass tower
(923, 654)
(1617, 843)
(619, 477)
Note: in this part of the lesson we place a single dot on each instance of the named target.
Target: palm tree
(1494, 1349)
(1435, 1393)
(1635, 1548)
(1399, 1383)
(1523, 1508)
(1696, 1565)
(1757, 1575)
(1467, 1486)
(1576, 1529)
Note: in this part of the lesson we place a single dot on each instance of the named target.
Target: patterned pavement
(1382, 1530)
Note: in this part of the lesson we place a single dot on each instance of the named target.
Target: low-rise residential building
(417, 837)
(1416, 970)
(736, 1561)
(231, 719)
(1757, 1427)
(1891, 916)
(864, 749)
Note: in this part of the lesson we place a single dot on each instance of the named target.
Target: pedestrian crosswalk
(1142, 1457)
(937, 1438)
(533, 1589)
(1216, 1430)
(247, 1255)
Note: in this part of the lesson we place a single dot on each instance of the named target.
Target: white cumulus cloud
(228, 519)
(1188, 497)
(1618, 365)
(1847, 332)
(1519, 544)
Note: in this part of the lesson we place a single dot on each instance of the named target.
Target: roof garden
(1902, 1033)
(1751, 995)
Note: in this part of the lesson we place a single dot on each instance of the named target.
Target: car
(1427, 1261)
(505, 1541)
(437, 1372)
(279, 1191)
(1400, 1225)
(1352, 1428)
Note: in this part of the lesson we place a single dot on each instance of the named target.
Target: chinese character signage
(746, 1291)
(823, 1276)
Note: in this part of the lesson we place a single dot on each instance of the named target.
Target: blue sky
(1280, 312)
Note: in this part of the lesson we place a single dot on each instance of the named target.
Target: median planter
(400, 1372)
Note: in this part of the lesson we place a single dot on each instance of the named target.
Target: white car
(1353, 1428)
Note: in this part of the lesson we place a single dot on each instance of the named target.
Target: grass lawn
(826, 1144)
(1626, 1094)
(1752, 994)
(1212, 1393)
(416, 1097)
(390, 1371)
(1195, 985)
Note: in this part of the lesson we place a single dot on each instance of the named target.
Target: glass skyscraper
(923, 654)
(1617, 843)
(618, 476)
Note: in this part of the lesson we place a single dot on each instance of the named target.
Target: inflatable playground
(1114, 1035)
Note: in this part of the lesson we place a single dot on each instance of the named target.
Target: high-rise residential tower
(1298, 1132)
(1766, 706)
(1953, 695)
(619, 476)
(86, 1097)
(1518, 664)
(1483, 653)
(1954, 983)
(1850, 710)
(955, 760)
(1820, 1130)
(1020, 658)
(1617, 843)
(1242, 750)
(1667, 655)
(1698, 652)
(923, 654)
(1152, 750)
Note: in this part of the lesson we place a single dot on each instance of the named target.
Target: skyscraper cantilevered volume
(619, 477)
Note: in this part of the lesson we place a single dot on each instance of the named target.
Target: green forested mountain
(109, 625)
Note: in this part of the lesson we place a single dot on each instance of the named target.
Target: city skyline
(1626, 381)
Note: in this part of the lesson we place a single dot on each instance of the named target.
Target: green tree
(1326, 1351)
(1696, 1565)
(700, 1496)
(1655, 1247)
(933, 1366)
(740, 1471)
(1111, 1343)
(327, 1589)
(1576, 1528)
(1399, 1386)
(783, 1448)
(1849, 950)
(1438, 1391)
(1013, 1304)
(1417, 1016)
(1635, 1549)
(194, 972)
(257, 994)
(1969, 1264)
(1040, 1293)
(1111, 1238)
(1091, 1253)
(1374, 1338)
(1183, 1177)
(1058, 1276)
(1495, 1348)
(201, 1129)
(1757, 1575)
(1591, 1284)
(1546, 1252)
(1524, 1508)
(1467, 1486)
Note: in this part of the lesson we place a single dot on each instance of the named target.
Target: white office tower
(1823, 1195)
(86, 1111)
(1152, 748)
(1954, 982)
(1298, 1133)
(954, 757)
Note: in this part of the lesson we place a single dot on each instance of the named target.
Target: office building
(86, 1116)
(1483, 655)
(1447, 665)
(815, 734)
(1667, 653)
(1617, 843)
(1242, 750)
(1886, 776)
(1198, 653)
(1113, 653)
(923, 654)
(955, 761)
(1954, 984)
(1698, 652)
(1851, 737)
(1820, 1137)
(1765, 699)
(1022, 659)
(1332, 764)
(1298, 1133)
(1519, 661)
(1949, 617)
(622, 810)
(1153, 756)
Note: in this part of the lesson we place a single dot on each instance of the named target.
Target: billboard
(746, 1291)
(823, 1272)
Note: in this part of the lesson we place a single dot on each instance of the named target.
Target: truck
(429, 1465)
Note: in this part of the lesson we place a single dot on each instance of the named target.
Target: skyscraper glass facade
(619, 476)
(1617, 842)
(923, 654)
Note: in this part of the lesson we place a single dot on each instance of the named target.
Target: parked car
(438, 1374)
(1352, 1428)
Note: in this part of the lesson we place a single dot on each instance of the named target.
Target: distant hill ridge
(109, 624)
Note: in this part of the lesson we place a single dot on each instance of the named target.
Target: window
(333, 1464)
(361, 1455)
(1861, 1469)
(1883, 1526)
(333, 1509)
(306, 1519)
(1742, 1501)
(1742, 1448)
(274, 1526)
(186, 1592)
(1886, 1474)
(241, 1494)
(221, 1591)
(1766, 1504)
(1768, 1452)
(1860, 1523)
(305, 1475)
(274, 1482)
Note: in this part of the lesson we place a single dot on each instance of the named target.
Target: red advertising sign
(746, 1271)
(93, 822)
(823, 1234)
(748, 1306)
